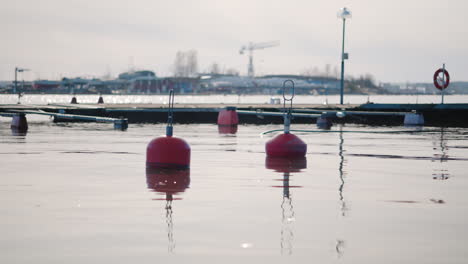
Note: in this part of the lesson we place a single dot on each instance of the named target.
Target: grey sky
(397, 40)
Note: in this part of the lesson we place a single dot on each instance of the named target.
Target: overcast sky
(394, 40)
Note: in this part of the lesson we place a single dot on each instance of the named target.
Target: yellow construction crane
(254, 46)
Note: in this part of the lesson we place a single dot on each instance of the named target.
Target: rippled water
(78, 193)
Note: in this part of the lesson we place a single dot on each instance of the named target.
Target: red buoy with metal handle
(286, 145)
(168, 152)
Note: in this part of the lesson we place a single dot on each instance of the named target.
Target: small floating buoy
(286, 145)
(121, 124)
(169, 151)
(340, 114)
(324, 122)
(19, 123)
(413, 119)
(228, 116)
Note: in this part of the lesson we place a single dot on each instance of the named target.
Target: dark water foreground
(78, 193)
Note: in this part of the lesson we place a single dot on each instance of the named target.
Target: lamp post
(344, 13)
(16, 77)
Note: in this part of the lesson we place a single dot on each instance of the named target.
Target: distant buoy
(121, 124)
(228, 116)
(340, 114)
(100, 100)
(324, 122)
(168, 152)
(73, 100)
(413, 119)
(286, 145)
(19, 123)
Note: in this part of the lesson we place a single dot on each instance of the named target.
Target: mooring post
(121, 124)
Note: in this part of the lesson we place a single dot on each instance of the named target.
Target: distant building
(44, 85)
(271, 84)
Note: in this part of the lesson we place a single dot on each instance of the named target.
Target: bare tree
(327, 70)
(179, 64)
(215, 69)
(186, 64)
(192, 63)
(232, 71)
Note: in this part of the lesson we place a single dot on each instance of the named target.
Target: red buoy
(228, 117)
(286, 145)
(168, 152)
(19, 123)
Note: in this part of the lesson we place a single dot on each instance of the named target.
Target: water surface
(78, 193)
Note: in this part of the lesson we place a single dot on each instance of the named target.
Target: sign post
(441, 80)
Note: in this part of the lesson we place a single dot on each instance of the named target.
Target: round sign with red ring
(441, 82)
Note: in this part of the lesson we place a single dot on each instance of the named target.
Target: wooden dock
(450, 115)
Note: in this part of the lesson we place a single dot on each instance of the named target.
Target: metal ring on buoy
(445, 81)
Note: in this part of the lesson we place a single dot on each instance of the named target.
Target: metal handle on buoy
(287, 112)
(170, 113)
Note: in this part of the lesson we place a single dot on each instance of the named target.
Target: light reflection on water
(227, 99)
(356, 192)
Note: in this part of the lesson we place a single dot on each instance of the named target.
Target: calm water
(78, 193)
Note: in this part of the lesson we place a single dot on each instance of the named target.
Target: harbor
(234, 132)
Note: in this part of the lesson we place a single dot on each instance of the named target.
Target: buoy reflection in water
(286, 166)
(227, 129)
(168, 182)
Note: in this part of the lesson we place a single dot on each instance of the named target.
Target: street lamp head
(344, 13)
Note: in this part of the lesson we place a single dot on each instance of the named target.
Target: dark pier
(448, 115)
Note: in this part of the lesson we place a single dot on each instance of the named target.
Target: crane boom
(255, 46)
